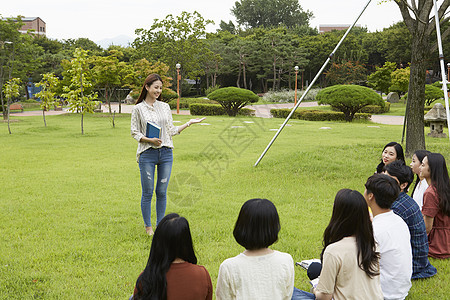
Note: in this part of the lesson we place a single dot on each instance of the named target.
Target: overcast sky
(101, 19)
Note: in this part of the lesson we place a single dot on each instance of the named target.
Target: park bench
(16, 106)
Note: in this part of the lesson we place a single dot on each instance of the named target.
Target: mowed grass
(71, 226)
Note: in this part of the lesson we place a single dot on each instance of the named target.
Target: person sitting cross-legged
(409, 211)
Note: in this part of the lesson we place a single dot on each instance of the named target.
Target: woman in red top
(172, 272)
(436, 205)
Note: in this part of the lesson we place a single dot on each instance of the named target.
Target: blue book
(153, 130)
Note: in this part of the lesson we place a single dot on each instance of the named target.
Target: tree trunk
(7, 114)
(239, 76)
(415, 136)
(43, 115)
(244, 75)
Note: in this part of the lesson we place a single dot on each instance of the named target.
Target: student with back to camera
(172, 272)
(259, 272)
(350, 261)
(152, 152)
(436, 205)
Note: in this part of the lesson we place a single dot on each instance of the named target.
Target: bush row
(215, 110)
(316, 115)
(376, 109)
(186, 102)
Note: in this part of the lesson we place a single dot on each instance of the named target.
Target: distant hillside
(120, 40)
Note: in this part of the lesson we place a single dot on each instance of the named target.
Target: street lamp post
(296, 72)
(178, 66)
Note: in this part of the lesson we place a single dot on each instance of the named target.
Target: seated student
(421, 183)
(350, 267)
(392, 236)
(258, 272)
(172, 271)
(391, 152)
(436, 205)
(409, 211)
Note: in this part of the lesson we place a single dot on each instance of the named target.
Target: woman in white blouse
(421, 183)
(152, 152)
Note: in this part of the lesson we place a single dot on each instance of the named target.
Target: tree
(175, 40)
(11, 90)
(270, 13)
(79, 92)
(346, 73)
(400, 81)
(381, 80)
(416, 15)
(349, 99)
(49, 84)
(232, 99)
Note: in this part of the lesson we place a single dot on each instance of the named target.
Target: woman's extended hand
(194, 121)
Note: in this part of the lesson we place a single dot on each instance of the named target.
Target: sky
(101, 19)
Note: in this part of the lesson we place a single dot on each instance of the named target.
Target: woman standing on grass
(421, 183)
(152, 152)
(258, 272)
(391, 152)
(172, 272)
(436, 205)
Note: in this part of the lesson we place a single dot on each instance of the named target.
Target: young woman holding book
(154, 151)
(421, 183)
(436, 205)
(172, 272)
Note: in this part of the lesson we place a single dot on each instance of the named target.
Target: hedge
(376, 109)
(316, 115)
(215, 110)
(186, 102)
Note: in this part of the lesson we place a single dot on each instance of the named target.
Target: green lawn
(71, 226)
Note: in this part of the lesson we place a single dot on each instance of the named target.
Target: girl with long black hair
(436, 205)
(172, 272)
(391, 152)
(421, 183)
(350, 262)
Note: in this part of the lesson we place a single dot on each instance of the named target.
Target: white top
(392, 236)
(269, 276)
(340, 268)
(418, 192)
(158, 113)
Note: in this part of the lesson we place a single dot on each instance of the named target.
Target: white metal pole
(441, 58)
(311, 84)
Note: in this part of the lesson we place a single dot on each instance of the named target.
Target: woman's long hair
(350, 217)
(172, 239)
(440, 180)
(148, 82)
(420, 154)
(398, 150)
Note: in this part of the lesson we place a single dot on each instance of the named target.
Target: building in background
(330, 27)
(34, 23)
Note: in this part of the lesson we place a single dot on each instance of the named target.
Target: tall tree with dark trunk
(420, 22)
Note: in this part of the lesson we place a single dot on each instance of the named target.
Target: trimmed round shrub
(168, 94)
(349, 99)
(232, 99)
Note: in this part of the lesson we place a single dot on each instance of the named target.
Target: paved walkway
(262, 111)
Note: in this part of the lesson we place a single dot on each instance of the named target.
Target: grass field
(71, 226)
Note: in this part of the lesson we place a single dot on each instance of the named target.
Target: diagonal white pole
(311, 84)
(441, 58)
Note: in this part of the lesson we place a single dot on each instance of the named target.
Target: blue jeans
(302, 295)
(148, 160)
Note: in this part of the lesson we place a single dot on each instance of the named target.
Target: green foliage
(233, 99)
(376, 109)
(49, 84)
(287, 96)
(381, 80)
(267, 13)
(185, 103)
(200, 109)
(141, 69)
(348, 72)
(400, 81)
(168, 94)
(349, 99)
(433, 92)
(79, 93)
(317, 115)
(211, 89)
